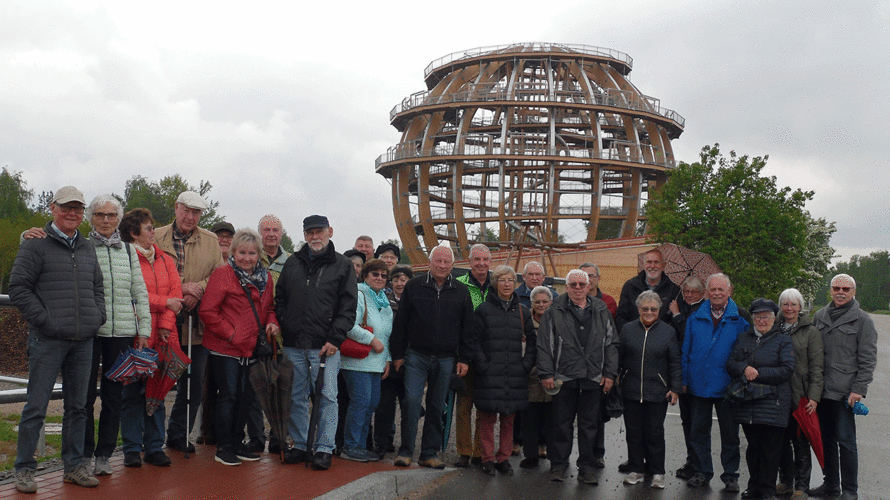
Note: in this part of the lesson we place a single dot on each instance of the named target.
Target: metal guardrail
(531, 47)
(5, 301)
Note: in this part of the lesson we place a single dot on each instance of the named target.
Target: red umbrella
(808, 425)
(132, 365)
(172, 363)
(681, 262)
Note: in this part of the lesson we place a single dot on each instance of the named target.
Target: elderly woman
(806, 388)
(501, 387)
(388, 253)
(127, 307)
(373, 325)
(140, 430)
(536, 419)
(236, 308)
(650, 379)
(762, 361)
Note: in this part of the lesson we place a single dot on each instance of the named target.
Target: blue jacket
(380, 319)
(706, 349)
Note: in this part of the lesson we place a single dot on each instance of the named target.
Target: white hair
(532, 263)
(579, 273)
(479, 247)
(101, 200)
(441, 248)
(716, 276)
(792, 294)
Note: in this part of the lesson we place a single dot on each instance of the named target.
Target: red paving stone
(200, 477)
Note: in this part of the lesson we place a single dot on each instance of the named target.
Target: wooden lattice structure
(527, 133)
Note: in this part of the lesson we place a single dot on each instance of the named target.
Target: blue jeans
(305, 375)
(700, 437)
(139, 431)
(230, 377)
(421, 370)
(364, 396)
(46, 357)
(839, 444)
(189, 389)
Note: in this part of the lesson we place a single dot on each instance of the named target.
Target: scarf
(148, 253)
(112, 241)
(379, 298)
(258, 277)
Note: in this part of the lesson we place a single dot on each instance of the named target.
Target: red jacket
(229, 324)
(162, 281)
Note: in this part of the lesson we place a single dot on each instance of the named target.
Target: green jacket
(478, 291)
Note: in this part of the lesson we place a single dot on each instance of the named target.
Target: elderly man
(693, 291)
(532, 276)
(711, 332)
(652, 277)
(365, 245)
(315, 302)
(850, 340)
(578, 356)
(593, 273)
(224, 232)
(478, 281)
(196, 253)
(57, 284)
(433, 324)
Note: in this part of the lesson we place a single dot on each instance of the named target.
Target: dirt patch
(13, 343)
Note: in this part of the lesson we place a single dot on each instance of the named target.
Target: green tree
(159, 197)
(872, 275)
(755, 230)
(14, 195)
(286, 242)
(817, 257)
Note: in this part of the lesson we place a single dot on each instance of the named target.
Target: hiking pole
(188, 391)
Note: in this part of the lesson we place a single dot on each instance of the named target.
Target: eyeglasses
(593, 276)
(542, 302)
(379, 274)
(103, 215)
(576, 285)
(763, 317)
(78, 209)
(504, 281)
(841, 288)
(649, 309)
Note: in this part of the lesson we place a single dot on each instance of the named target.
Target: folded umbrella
(272, 378)
(808, 425)
(172, 363)
(133, 365)
(316, 403)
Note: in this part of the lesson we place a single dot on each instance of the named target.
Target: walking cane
(188, 391)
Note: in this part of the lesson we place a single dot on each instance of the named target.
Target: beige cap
(68, 194)
(192, 199)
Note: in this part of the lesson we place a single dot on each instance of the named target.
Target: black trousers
(581, 399)
(537, 421)
(762, 459)
(796, 465)
(685, 404)
(645, 435)
(391, 389)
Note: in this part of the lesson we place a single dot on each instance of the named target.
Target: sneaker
(81, 476)
(432, 463)
(825, 490)
(157, 458)
(504, 467)
(320, 461)
(848, 496)
(528, 463)
(295, 456)
(685, 472)
(245, 454)
(102, 468)
(132, 459)
(697, 480)
(558, 475)
(799, 495)
(256, 446)
(731, 485)
(371, 456)
(624, 466)
(783, 489)
(354, 455)
(488, 468)
(402, 462)
(24, 481)
(658, 481)
(182, 444)
(463, 461)
(587, 476)
(227, 457)
(633, 478)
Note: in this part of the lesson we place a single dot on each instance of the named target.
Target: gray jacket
(851, 351)
(597, 360)
(59, 290)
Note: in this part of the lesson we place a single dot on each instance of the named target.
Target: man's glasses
(78, 209)
(576, 285)
(841, 288)
(649, 309)
(541, 302)
(379, 274)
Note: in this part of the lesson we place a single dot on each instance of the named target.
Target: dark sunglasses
(378, 274)
(841, 288)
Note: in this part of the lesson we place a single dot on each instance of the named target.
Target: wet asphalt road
(873, 433)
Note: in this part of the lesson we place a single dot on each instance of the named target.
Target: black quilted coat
(501, 384)
(773, 357)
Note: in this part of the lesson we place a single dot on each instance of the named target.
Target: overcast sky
(284, 106)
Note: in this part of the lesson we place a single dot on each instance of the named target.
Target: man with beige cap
(196, 253)
(57, 285)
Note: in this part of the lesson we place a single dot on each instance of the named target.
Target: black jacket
(315, 302)
(432, 322)
(773, 357)
(627, 307)
(501, 384)
(650, 362)
(678, 321)
(59, 290)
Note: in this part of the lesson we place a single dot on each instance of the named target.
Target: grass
(881, 311)
(9, 439)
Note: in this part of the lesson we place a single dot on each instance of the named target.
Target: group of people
(530, 361)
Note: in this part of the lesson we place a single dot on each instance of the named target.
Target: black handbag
(740, 390)
(263, 347)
